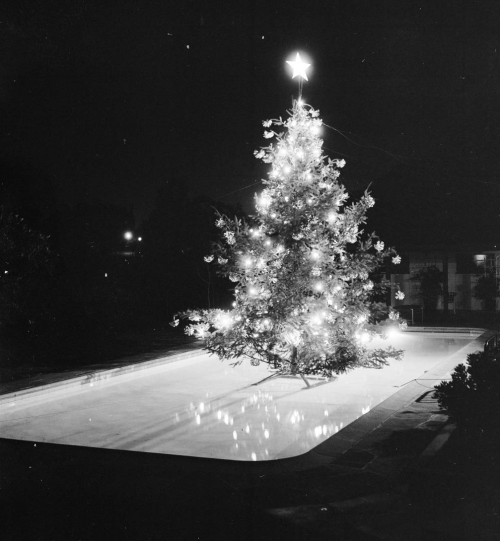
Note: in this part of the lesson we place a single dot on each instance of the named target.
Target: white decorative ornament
(229, 237)
(396, 260)
(399, 295)
(299, 67)
(208, 258)
(379, 246)
(221, 261)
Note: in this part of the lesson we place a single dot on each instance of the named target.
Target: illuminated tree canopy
(305, 273)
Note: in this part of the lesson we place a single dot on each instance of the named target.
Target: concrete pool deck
(52, 491)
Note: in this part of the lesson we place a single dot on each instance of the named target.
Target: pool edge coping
(93, 375)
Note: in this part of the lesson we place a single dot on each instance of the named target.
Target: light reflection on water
(273, 420)
(262, 420)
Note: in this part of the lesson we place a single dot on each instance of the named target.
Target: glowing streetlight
(128, 235)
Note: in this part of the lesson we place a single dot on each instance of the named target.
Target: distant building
(463, 267)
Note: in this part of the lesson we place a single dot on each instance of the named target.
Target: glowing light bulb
(225, 320)
(316, 319)
(332, 216)
(264, 200)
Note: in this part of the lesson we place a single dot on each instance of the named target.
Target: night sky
(110, 99)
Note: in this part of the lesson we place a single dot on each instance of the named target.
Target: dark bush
(472, 397)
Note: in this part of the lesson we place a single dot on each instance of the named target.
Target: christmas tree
(304, 271)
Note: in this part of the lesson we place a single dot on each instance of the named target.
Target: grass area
(20, 363)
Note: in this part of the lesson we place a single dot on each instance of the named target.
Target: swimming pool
(203, 407)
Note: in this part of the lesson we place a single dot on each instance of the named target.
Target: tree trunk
(293, 366)
(293, 361)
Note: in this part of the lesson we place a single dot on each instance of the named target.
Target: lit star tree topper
(299, 70)
(307, 280)
(299, 67)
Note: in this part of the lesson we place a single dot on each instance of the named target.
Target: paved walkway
(355, 486)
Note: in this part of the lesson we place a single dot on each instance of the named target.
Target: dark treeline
(71, 283)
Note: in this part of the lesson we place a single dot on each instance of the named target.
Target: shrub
(472, 397)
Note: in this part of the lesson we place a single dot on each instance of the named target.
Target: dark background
(143, 115)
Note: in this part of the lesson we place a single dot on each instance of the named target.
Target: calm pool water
(204, 407)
